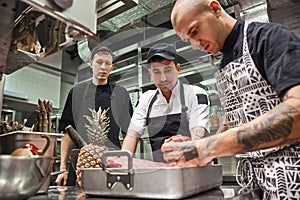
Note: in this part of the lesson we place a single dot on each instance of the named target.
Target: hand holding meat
(181, 151)
(183, 154)
(177, 138)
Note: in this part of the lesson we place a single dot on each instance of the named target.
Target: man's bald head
(192, 5)
(203, 23)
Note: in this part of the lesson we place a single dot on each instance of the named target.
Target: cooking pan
(154, 183)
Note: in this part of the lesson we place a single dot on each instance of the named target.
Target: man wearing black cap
(93, 94)
(172, 109)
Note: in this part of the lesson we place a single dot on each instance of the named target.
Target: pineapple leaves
(98, 126)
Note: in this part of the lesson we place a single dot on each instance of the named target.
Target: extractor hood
(33, 29)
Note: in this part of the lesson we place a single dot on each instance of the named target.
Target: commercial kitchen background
(129, 28)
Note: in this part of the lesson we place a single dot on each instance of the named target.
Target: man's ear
(90, 63)
(215, 7)
(178, 67)
(112, 67)
(149, 72)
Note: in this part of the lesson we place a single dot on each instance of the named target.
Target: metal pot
(22, 176)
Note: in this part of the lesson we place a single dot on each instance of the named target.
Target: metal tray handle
(114, 175)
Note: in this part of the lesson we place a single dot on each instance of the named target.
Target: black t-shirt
(274, 49)
(87, 95)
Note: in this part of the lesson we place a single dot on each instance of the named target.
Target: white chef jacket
(197, 112)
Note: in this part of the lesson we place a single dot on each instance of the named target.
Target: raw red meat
(177, 138)
(112, 164)
(122, 162)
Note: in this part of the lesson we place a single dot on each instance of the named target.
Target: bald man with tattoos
(259, 89)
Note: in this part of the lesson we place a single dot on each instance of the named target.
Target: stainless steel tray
(154, 183)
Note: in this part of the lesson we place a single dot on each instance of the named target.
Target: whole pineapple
(97, 130)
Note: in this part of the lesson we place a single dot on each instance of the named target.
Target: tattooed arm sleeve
(280, 126)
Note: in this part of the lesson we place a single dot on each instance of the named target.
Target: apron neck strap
(182, 100)
(150, 106)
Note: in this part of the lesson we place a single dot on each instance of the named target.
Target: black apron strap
(184, 128)
(86, 90)
(150, 107)
(112, 95)
(182, 100)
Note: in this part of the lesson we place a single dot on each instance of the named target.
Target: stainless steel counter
(223, 192)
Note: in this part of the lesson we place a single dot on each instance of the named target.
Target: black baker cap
(164, 50)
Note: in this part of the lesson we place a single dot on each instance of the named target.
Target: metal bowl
(22, 176)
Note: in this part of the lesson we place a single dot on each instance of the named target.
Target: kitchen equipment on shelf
(13, 140)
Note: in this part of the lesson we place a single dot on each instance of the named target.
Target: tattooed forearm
(276, 125)
(288, 96)
(209, 144)
(190, 151)
(198, 132)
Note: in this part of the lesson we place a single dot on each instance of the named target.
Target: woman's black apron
(163, 127)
